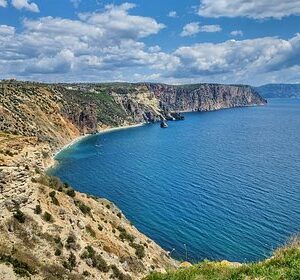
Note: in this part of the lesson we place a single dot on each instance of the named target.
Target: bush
(119, 215)
(124, 235)
(57, 252)
(71, 263)
(71, 193)
(19, 216)
(48, 217)
(90, 231)
(52, 194)
(19, 267)
(97, 260)
(139, 250)
(38, 209)
(118, 274)
(53, 198)
(84, 208)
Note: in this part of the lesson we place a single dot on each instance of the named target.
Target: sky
(177, 42)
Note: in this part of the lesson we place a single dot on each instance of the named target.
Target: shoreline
(81, 137)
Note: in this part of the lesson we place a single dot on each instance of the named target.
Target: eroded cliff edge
(48, 231)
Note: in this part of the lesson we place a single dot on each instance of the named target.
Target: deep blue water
(225, 183)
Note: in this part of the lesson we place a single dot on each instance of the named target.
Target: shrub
(71, 193)
(118, 274)
(119, 215)
(19, 216)
(97, 260)
(52, 194)
(71, 263)
(107, 206)
(139, 250)
(86, 273)
(48, 217)
(84, 208)
(71, 242)
(21, 268)
(90, 231)
(53, 198)
(124, 235)
(38, 209)
(57, 252)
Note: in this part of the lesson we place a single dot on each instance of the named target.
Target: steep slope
(280, 90)
(49, 231)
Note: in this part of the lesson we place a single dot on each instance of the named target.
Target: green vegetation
(117, 274)
(70, 192)
(97, 260)
(285, 265)
(90, 230)
(139, 250)
(48, 217)
(53, 198)
(38, 209)
(84, 208)
(19, 216)
(124, 235)
(71, 263)
(20, 268)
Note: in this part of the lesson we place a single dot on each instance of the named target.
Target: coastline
(53, 161)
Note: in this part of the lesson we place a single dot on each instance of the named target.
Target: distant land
(279, 90)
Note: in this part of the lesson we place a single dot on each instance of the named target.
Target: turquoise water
(225, 183)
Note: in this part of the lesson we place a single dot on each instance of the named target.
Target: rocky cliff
(49, 231)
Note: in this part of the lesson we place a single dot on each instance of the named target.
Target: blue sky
(236, 41)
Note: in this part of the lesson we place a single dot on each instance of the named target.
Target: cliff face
(49, 231)
(205, 97)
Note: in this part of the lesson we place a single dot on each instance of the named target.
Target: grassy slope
(284, 264)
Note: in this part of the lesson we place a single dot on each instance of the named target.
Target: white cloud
(193, 28)
(257, 9)
(107, 46)
(236, 33)
(3, 3)
(25, 4)
(118, 22)
(172, 14)
(210, 28)
(190, 29)
(6, 30)
(238, 61)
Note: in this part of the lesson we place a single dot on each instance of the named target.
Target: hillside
(284, 264)
(49, 231)
(280, 90)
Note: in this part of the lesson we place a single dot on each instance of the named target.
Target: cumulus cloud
(118, 22)
(108, 45)
(193, 28)
(257, 9)
(172, 14)
(3, 3)
(238, 60)
(25, 4)
(236, 33)
(106, 41)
